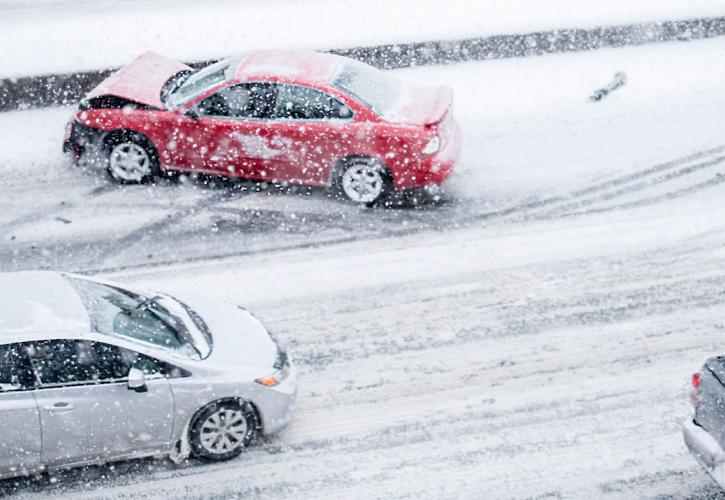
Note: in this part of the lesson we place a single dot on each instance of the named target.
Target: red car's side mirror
(191, 114)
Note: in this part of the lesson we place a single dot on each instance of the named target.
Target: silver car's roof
(39, 304)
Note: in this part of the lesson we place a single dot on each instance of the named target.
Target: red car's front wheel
(131, 160)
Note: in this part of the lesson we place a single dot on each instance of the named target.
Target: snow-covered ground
(530, 133)
(543, 359)
(45, 37)
(532, 337)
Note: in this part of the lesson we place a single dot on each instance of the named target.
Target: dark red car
(281, 116)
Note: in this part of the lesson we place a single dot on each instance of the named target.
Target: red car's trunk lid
(141, 80)
(425, 105)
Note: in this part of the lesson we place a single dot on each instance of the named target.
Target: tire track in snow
(56, 209)
(318, 229)
(126, 242)
(670, 195)
(612, 189)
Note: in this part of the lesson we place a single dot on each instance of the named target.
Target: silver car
(91, 372)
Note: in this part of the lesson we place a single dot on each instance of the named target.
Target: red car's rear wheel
(364, 180)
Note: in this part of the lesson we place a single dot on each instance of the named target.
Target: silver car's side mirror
(137, 380)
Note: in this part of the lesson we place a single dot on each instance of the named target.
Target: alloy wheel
(223, 431)
(363, 182)
(129, 162)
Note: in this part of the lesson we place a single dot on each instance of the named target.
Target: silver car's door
(87, 411)
(19, 421)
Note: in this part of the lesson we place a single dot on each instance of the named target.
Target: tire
(132, 159)
(363, 180)
(223, 430)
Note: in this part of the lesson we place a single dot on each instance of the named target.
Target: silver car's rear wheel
(222, 430)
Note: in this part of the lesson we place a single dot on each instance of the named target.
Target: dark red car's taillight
(694, 397)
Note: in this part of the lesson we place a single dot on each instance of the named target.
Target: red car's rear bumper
(435, 169)
(444, 162)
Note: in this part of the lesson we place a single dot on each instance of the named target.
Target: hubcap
(363, 182)
(223, 431)
(129, 162)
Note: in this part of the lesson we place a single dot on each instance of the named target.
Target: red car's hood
(423, 105)
(141, 80)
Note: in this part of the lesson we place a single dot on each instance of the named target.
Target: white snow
(71, 35)
(537, 354)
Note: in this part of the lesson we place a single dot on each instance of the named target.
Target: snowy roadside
(71, 35)
(61, 89)
(534, 32)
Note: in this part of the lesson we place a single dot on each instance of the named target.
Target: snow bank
(65, 36)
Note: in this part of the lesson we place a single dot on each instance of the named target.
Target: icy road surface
(532, 337)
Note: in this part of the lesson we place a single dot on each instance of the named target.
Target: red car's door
(228, 136)
(307, 136)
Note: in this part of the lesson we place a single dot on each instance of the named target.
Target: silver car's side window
(77, 362)
(16, 373)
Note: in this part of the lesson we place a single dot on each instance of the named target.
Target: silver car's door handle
(59, 406)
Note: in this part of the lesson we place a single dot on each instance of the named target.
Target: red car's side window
(244, 100)
(303, 103)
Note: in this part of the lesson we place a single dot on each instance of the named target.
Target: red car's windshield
(199, 82)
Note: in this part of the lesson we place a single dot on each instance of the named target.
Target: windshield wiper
(173, 84)
(146, 302)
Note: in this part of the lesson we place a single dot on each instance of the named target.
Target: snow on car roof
(34, 303)
(307, 66)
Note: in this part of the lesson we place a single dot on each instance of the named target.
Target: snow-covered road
(532, 337)
(544, 358)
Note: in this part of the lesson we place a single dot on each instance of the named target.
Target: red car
(281, 116)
